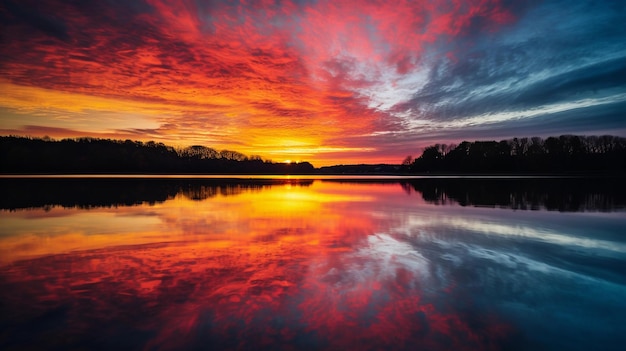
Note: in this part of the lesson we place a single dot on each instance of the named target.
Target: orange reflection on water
(299, 267)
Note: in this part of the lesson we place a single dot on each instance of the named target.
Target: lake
(308, 264)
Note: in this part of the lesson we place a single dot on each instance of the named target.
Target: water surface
(308, 264)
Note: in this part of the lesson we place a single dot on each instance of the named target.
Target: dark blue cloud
(593, 80)
(46, 23)
(559, 56)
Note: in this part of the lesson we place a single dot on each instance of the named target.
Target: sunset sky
(328, 82)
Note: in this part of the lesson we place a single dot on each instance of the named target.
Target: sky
(329, 82)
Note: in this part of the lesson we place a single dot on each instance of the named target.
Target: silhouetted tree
(566, 153)
(199, 152)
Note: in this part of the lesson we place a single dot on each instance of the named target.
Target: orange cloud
(230, 75)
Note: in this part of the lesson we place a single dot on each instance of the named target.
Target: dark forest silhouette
(554, 155)
(91, 155)
(566, 153)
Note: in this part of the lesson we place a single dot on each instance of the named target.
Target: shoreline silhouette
(566, 154)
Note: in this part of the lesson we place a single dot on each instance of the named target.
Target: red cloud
(267, 69)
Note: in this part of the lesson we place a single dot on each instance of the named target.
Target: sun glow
(295, 81)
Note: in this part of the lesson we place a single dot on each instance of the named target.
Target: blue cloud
(556, 53)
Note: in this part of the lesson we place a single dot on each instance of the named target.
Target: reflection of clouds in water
(378, 259)
(389, 254)
(328, 265)
(381, 293)
(548, 279)
(506, 257)
(446, 224)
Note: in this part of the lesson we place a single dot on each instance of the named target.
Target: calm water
(422, 264)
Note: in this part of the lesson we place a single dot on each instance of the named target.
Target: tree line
(92, 155)
(565, 153)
